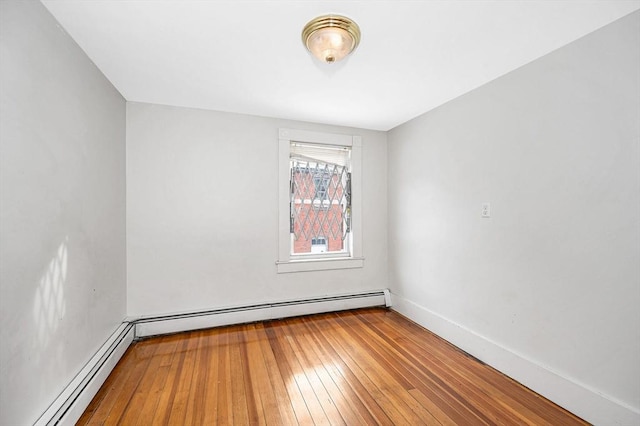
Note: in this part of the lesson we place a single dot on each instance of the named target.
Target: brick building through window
(320, 199)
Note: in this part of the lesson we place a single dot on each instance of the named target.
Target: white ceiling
(247, 56)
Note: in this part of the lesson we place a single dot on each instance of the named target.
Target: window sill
(309, 265)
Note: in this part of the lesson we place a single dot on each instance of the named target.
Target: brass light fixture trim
(331, 37)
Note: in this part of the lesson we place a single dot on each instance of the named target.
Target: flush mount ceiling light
(331, 37)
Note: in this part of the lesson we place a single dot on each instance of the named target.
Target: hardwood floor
(364, 367)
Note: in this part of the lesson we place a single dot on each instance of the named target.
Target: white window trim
(285, 262)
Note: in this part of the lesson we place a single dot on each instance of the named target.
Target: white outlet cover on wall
(486, 209)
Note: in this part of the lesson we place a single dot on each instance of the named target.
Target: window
(319, 219)
(320, 202)
(321, 184)
(318, 245)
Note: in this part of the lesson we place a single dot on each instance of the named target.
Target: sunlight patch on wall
(49, 306)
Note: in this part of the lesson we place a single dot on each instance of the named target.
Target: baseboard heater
(75, 398)
(164, 324)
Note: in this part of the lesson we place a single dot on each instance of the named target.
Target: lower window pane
(319, 207)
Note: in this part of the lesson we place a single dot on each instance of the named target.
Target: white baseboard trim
(584, 402)
(174, 323)
(74, 399)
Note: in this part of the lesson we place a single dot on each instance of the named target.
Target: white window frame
(287, 263)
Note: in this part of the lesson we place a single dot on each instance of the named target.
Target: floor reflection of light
(303, 379)
(49, 305)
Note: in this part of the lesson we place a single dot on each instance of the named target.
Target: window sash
(287, 263)
(320, 203)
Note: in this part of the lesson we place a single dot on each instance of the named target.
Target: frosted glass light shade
(331, 37)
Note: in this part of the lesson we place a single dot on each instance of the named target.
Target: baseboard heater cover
(74, 399)
(164, 324)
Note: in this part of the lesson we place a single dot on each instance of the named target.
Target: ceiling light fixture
(331, 37)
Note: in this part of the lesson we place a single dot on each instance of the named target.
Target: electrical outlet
(486, 210)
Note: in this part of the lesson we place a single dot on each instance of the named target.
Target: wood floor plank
(144, 393)
(529, 406)
(183, 382)
(197, 391)
(369, 403)
(225, 397)
(471, 390)
(357, 367)
(141, 359)
(165, 353)
(211, 380)
(434, 403)
(386, 383)
(108, 395)
(261, 384)
(349, 405)
(254, 403)
(278, 385)
(300, 409)
(238, 393)
(369, 366)
(163, 409)
(299, 377)
(410, 370)
(314, 371)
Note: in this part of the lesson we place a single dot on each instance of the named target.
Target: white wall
(552, 279)
(550, 282)
(62, 210)
(202, 212)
